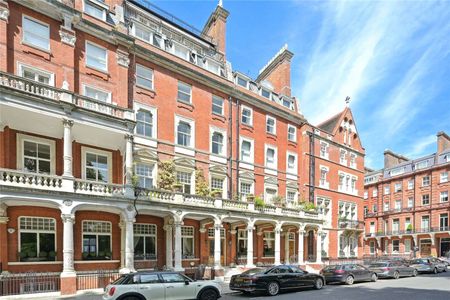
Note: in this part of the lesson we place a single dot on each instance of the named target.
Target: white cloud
(421, 145)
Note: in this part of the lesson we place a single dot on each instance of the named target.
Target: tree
(201, 186)
(166, 175)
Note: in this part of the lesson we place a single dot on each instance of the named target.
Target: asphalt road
(423, 287)
(433, 287)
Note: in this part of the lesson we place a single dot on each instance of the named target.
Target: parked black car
(274, 279)
(392, 269)
(348, 273)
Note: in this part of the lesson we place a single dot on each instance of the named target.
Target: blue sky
(391, 57)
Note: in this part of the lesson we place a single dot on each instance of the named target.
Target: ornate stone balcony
(14, 83)
(27, 181)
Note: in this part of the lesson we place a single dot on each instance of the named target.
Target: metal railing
(29, 283)
(99, 279)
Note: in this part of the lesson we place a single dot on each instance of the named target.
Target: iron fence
(99, 279)
(29, 283)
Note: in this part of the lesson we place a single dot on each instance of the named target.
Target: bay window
(37, 239)
(145, 238)
(96, 240)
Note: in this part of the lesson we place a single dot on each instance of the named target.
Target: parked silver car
(161, 286)
(392, 269)
(428, 265)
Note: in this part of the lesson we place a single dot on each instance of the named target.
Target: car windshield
(419, 261)
(254, 271)
(378, 265)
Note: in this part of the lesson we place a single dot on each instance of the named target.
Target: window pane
(93, 10)
(149, 278)
(150, 247)
(104, 245)
(96, 57)
(139, 247)
(47, 245)
(36, 33)
(29, 149)
(144, 77)
(96, 94)
(188, 247)
(44, 166)
(103, 175)
(217, 106)
(43, 151)
(173, 278)
(28, 245)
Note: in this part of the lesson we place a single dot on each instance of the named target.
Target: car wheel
(349, 280)
(273, 288)
(208, 294)
(435, 271)
(445, 269)
(318, 284)
(414, 273)
(396, 275)
(374, 278)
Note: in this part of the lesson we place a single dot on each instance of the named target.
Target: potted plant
(250, 198)
(409, 228)
(166, 175)
(177, 187)
(259, 202)
(216, 194)
(278, 201)
(201, 186)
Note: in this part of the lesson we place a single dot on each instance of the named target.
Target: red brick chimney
(443, 141)
(216, 27)
(278, 72)
(391, 159)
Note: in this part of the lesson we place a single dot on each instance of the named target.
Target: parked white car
(161, 286)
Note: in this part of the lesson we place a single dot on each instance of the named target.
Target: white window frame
(214, 105)
(410, 184)
(86, 54)
(154, 112)
(265, 90)
(84, 151)
(213, 130)
(325, 154)
(410, 201)
(21, 68)
(185, 236)
(366, 195)
(21, 138)
(291, 190)
(405, 243)
(274, 165)
(143, 28)
(144, 235)
(274, 132)
(249, 182)
(153, 166)
(422, 218)
(426, 182)
(443, 196)
(443, 177)
(293, 171)
(242, 78)
(250, 123)
(108, 100)
(398, 187)
(184, 93)
(37, 231)
(224, 190)
(98, 4)
(353, 158)
(424, 197)
(343, 157)
(191, 179)
(39, 22)
(252, 151)
(96, 235)
(269, 236)
(375, 192)
(323, 182)
(386, 189)
(191, 122)
(266, 195)
(294, 134)
(148, 79)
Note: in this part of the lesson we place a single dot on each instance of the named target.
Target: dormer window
(265, 93)
(287, 103)
(96, 9)
(242, 82)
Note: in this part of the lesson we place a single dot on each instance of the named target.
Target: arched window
(184, 134)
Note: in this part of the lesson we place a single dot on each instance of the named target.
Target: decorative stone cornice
(67, 37)
(4, 220)
(123, 58)
(4, 10)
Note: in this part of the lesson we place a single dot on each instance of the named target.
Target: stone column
(129, 247)
(301, 234)
(177, 258)
(319, 247)
(217, 242)
(129, 166)
(122, 243)
(169, 250)
(250, 245)
(67, 148)
(277, 244)
(4, 241)
(68, 275)
(287, 259)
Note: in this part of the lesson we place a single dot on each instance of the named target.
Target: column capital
(129, 137)
(4, 10)
(67, 122)
(68, 218)
(167, 227)
(202, 230)
(4, 220)
(178, 223)
(301, 231)
(233, 231)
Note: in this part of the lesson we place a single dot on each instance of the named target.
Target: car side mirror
(186, 282)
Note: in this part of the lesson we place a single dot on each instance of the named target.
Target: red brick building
(105, 103)
(406, 204)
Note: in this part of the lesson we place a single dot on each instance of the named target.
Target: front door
(445, 247)
(222, 251)
(425, 248)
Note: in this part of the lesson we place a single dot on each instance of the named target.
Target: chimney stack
(278, 72)
(391, 159)
(443, 142)
(216, 27)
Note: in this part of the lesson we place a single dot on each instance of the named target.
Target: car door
(283, 276)
(300, 277)
(351, 270)
(151, 287)
(178, 287)
(363, 272)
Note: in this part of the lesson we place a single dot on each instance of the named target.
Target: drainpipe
(230, 148)
(238, 109)
(312, 167)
